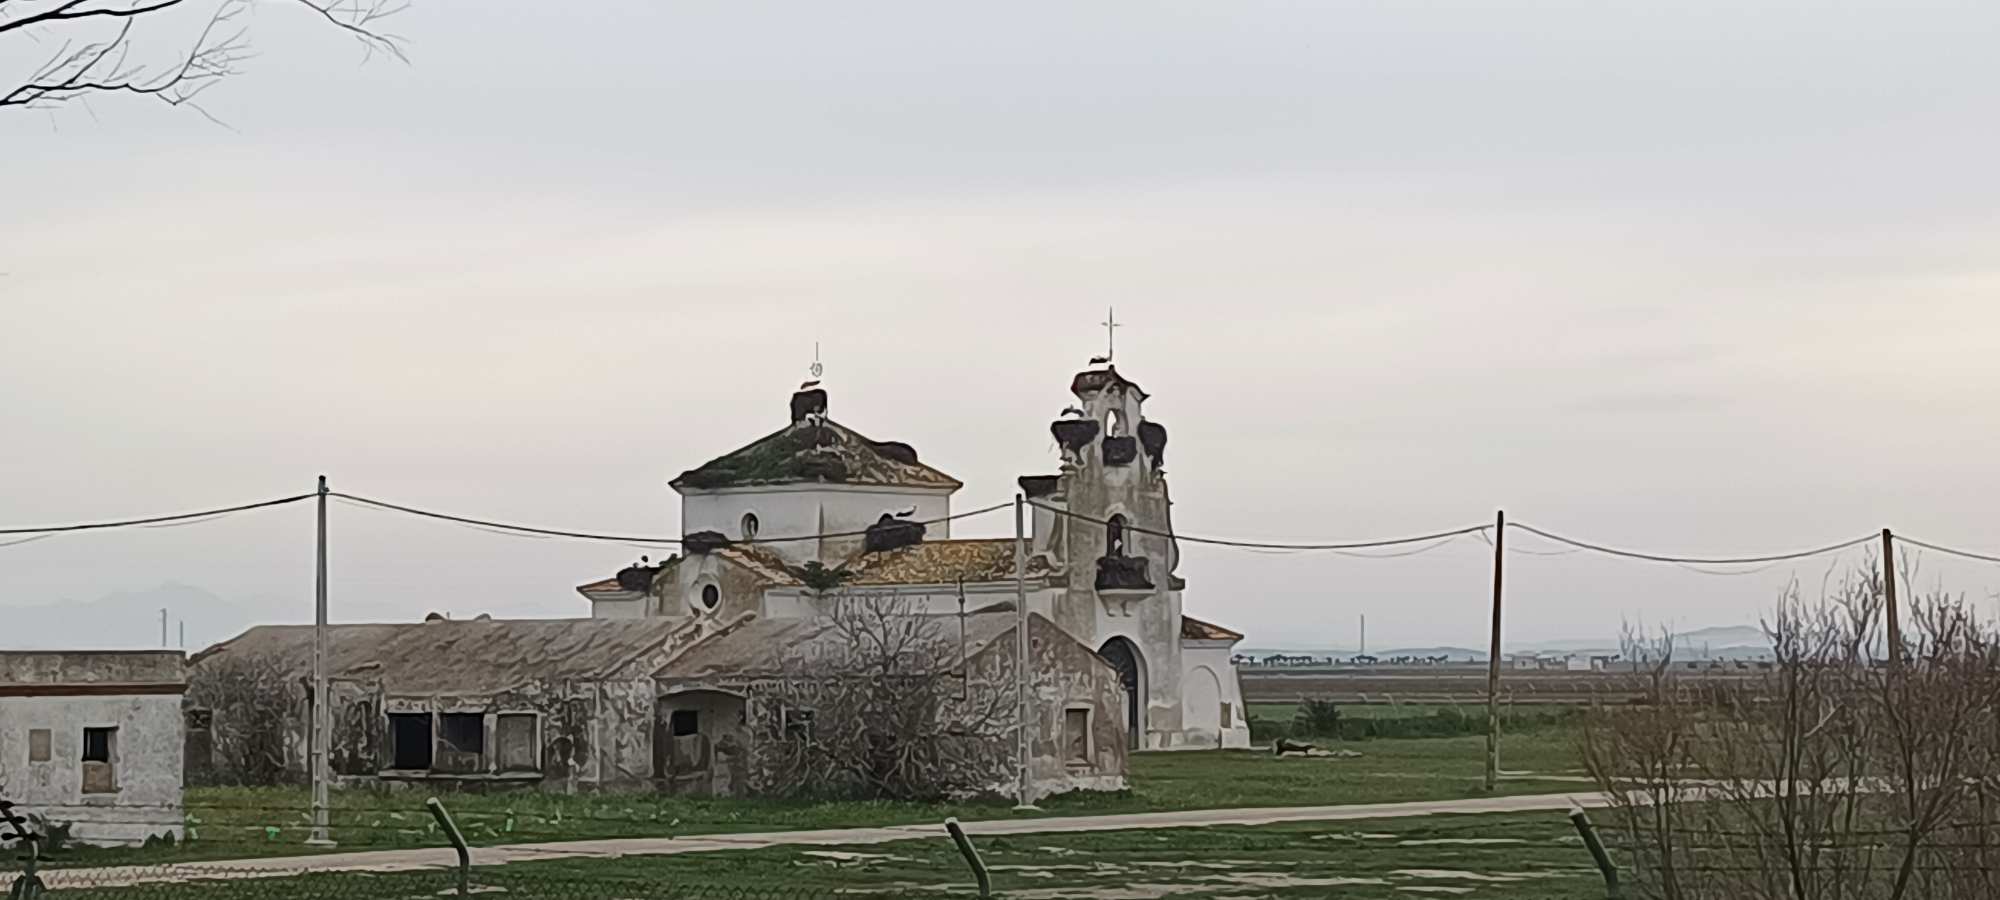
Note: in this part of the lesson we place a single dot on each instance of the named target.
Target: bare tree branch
(83, 66)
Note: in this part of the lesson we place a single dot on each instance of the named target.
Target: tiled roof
(761, 562)
(942, 562)
(443, 658)
(1193, 629)
(766, 565)
(816, 451)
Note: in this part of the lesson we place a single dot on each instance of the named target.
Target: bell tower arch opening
(1124, 656)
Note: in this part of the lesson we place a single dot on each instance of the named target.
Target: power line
(1266, 545)
(530, 530)
(1695, 560)
(157, 520)
(1947, 550)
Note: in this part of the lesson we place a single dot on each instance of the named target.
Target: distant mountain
(126, 620)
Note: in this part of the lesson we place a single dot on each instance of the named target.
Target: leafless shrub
(883, 706)
(1837, 773)
(250, 705)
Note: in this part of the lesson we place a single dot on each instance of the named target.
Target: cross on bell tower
(1110, 324)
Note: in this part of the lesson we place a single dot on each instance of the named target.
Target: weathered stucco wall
(1065, 676)
(146, 763)
(790, 510)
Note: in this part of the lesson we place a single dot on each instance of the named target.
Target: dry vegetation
(1839, 773)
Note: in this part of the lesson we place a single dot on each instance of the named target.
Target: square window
(461, 742)
(97, 744)
(684, 722)
(798, 724)
(1076, 736)
(410, 741)
(518, 742)
(39, 745)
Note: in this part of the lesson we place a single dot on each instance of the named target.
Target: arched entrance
(1124, 656)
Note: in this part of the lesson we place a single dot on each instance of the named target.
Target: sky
(1698, 278)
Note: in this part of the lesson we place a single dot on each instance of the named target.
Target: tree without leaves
(1834, 775)
(94, 45)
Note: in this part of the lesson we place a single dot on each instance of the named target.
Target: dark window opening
(461, 742)
(710, 596)
(684, 722)
(100, 748)
(410, 741)
(749, 526)
(798, 724)
(1114, 536)
(97, 744)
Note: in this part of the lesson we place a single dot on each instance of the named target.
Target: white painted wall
(798, 509)
(1208, 662)
(618, 609)
(146, 755)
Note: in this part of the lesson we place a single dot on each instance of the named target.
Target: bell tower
(1121, 595)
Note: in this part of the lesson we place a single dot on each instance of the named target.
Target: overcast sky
(1696, 277)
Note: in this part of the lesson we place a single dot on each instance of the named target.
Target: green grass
(1495, 857)
(241, 822)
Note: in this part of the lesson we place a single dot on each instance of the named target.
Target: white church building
(766, 524)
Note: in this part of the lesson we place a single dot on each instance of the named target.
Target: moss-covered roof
(816, 451)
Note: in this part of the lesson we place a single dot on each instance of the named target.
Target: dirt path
(445, 858)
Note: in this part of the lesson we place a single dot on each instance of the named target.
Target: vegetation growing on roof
(815, 450)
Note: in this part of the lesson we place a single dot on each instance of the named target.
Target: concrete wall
(1211, 687)
(789, 510)
(146, 764)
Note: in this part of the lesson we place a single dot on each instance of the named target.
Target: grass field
(1488, 857)
(224, 823)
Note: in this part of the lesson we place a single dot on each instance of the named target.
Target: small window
(749, 526)
(684, 722)
(1114, 536)
(711, 596)
(39, 749)
(410, 741)
(1227, 714)
(97, 744)
(1076, 736)
(798, 724)
(517, 742)
(100, 752)
(461, 742)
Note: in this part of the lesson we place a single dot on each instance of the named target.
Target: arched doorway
(1124, 656)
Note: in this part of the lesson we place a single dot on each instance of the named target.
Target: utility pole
(1493, 657)
(163, 628)
(1364, 635)
(322, 707)
(1021, 798)
(1889, 597)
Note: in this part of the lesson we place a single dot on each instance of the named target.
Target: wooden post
(1889, 597)
(1493, 657)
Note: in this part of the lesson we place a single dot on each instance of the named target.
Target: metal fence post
(1597, 853)
(457, 842)
(971, 856)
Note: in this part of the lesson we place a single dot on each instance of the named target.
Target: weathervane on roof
(816, 369)
(1110, 324)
